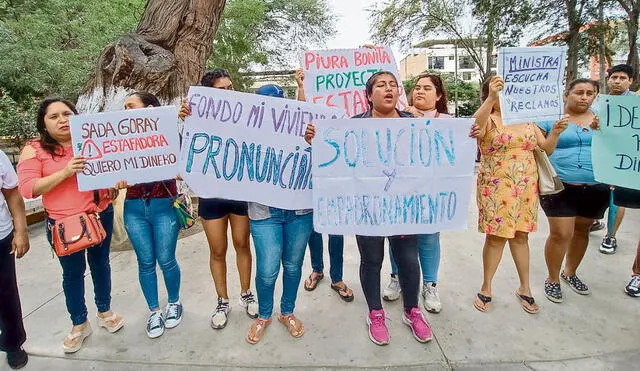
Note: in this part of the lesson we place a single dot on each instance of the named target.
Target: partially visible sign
(337, 78)
(616, 146)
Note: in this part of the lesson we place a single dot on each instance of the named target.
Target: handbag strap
(168, 191)
(96, 197)
(64, 241)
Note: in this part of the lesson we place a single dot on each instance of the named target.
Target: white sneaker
(431, 299)
(392, 291)
(219, 318)
(249, 303)
(173, 314)
(155, 324)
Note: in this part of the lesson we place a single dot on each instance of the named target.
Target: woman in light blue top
(572, 211)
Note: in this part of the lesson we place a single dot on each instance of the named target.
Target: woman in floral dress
(507, 191)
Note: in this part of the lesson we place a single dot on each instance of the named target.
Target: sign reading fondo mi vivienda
(533, 83)
(337, 78)
(138, 146)
(616, 146)
(249, 147)
(382, 177)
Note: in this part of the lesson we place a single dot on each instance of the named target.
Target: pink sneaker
(419, 326)
(378, 332)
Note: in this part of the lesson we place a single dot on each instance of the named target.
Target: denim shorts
(216, 208)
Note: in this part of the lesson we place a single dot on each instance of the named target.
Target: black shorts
(626, 197)
(588, 201)
(216, 208)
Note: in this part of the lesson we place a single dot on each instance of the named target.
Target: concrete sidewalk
(596, 332)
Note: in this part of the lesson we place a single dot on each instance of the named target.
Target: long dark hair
(50, 145)
(372, 81)
(146, 98)
(442, 103)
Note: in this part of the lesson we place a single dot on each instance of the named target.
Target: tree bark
(572, 39)
(632, 32)
(166, 54)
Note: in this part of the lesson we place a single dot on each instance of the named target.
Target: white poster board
(533, 83)
(384, 177)
(138, 146)
(249, 147)
(337, 77)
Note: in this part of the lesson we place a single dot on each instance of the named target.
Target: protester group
(508, 196)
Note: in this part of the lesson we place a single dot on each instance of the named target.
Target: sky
(353, 25)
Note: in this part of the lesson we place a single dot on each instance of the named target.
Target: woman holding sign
(48, 168)
(217, 216)
(507, 193)
(427, 99)
(570, 215)
(382, 94)
(152, 226)
(280, 237)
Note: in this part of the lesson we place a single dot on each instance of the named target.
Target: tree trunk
(573, 40)
(632, 32)
(166, 54)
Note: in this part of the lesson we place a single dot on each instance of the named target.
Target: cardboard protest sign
(383, 177)
(138, 146)
(337, 78)
(533, 83)
(615, 149)
(249, 147)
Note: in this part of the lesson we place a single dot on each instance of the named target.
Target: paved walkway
(596, 332)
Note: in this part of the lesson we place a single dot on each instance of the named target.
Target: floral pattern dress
(507, 193)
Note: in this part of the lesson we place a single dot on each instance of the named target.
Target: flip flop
(528, 303)
(294, 325)
(343, 292)
(311, 283)
(257, 330)
(484, 303)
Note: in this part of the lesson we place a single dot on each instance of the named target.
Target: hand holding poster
(337, 78)
(138, 146)
(383, 177)
(249, 147)
(616, 146)
(533, 83)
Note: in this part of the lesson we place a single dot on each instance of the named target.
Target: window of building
(466, 76)
(494, 61)
(451, 57)
(436, 63)
(465, 62)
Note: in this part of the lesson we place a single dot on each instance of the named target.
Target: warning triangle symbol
(90, 150)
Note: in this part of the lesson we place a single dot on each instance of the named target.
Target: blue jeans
(74, 267)
(336, 248)
(280, 239)
(429, 253)
(153, 229)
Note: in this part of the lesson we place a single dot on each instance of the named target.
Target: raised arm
(482, 114)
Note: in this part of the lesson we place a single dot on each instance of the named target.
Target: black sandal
(340, 290)
(486, 301)
(313, 282)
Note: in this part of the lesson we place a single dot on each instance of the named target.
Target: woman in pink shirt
(48, 168)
